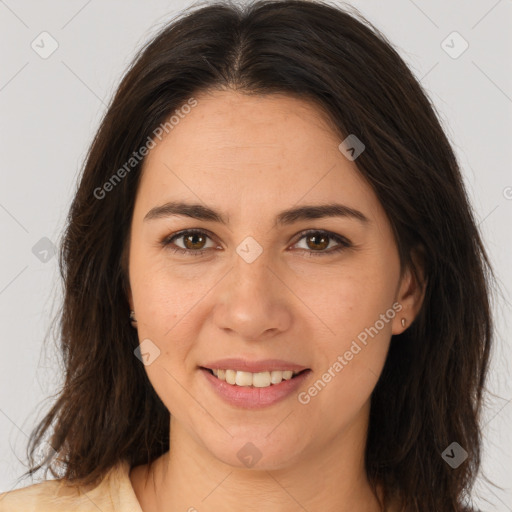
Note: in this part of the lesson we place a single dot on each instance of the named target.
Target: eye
(194, 241)
(320, 240)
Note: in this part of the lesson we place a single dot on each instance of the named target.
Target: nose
(253, 301)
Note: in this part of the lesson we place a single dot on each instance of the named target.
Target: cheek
(164, 294)
(351, 301)
(167, 317)
(357, 306)
(161, 307)
(345, 381)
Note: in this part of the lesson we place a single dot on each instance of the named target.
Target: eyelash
(343, 242)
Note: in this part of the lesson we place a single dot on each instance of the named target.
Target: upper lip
(245, 365)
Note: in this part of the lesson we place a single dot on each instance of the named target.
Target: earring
(403, 322)
(132, 318)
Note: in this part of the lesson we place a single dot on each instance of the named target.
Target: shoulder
(113, 494)
(31, 498)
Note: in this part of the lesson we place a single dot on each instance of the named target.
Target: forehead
(240, 152)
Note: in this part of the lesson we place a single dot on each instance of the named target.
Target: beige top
(113, 494)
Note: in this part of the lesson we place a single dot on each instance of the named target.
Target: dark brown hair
(430, 391)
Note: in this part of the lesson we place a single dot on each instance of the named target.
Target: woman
(276, 292)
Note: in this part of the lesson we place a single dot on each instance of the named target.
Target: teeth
(258, 380)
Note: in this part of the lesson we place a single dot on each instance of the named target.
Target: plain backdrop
(51, 106)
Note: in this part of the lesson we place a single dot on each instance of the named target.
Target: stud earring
(403, 322)
(132, 318)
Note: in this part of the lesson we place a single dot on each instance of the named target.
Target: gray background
(51, 108)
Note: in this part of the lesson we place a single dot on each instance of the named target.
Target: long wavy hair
(430, 392)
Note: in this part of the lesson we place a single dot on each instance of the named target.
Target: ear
(411, 292)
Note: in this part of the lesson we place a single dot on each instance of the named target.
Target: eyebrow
(286, 217)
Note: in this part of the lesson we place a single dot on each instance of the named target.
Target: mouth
(247, 390)
(263, 379)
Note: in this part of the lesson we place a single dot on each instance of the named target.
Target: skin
(251, 157)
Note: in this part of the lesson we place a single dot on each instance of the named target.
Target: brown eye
(194, 241)
(191, 242)
(317, 241)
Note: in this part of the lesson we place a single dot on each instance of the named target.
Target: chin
(256, 452)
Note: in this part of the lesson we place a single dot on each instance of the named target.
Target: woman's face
(262, 289)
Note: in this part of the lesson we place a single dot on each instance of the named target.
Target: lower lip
(251, 397)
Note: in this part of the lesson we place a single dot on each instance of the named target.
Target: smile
(258, 380)
(256, 390)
